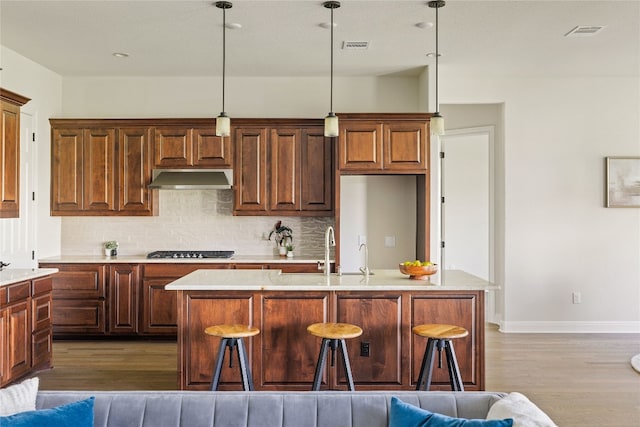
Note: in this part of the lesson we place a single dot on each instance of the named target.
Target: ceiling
(284, 38)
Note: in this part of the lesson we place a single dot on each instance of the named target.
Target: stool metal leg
(426, 369)
(452, 365)
(320, 364)
(218, 366)
(245, 369)
(347, 365)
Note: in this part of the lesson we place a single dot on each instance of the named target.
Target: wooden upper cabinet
(250, 172)
(316, 171)
(66, 170)
(134, 170)
(99, 169)
(182, 146)
(10, 104)
(384, 143)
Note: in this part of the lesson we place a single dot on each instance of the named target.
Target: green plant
(111, 244)
(282, 234)
(289, 247)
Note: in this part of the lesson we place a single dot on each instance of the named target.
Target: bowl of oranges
(418, 270)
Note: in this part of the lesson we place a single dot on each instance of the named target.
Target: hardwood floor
(578, 379)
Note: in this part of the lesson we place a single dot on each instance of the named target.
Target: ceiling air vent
(355, 45)
(585, 30)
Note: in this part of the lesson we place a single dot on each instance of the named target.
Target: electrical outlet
(364, 349)
(576, 297)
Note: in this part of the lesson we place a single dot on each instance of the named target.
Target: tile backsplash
(191, 220)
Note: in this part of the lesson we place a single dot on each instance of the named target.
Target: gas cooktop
(190, 254)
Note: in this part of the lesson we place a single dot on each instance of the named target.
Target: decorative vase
(282, 250)
(289, 254)
(107, 252)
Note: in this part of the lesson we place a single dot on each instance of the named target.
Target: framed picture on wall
(623, 182)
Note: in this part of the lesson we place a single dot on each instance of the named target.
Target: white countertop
(15, 275)
(142, 259)
(275, 280)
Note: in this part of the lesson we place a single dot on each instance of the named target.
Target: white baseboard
(564, 327)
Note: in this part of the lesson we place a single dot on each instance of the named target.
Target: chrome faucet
(365, 270)
(329, 240)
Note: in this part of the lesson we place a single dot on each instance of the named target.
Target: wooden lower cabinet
(25, 329)
(123, 298)
(284, 355)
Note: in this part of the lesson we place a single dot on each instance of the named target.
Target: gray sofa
(264, 409)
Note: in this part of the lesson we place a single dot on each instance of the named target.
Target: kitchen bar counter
(15, 275)
(387, 356)
(275, 280)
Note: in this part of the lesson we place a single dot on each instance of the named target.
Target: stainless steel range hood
(192, 179)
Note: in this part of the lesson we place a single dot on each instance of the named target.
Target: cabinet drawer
(178, 270)
(18, 292)
(79, 316)
(41, 312)
(42, 344)
(79, 284)
(41, 286)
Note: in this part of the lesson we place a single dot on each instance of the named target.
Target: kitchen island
(283, 356)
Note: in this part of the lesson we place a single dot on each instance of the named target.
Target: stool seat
(438, 331)
(232, 331)
(334, 331)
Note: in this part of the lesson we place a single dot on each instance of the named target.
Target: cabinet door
(376, 355)
(134, 171)
(9, 160)
(19, 343)
(250, 172)
(285, 317)
(210, 150)
(123, 298)
(42, 333)
(405, 146)
(99, 171)
(360, 145)
(173, 146)
(199, 311)
(316, 171)
(66, 171)
(460, 309)
(159, 308)
(4, 349)
(284, 147)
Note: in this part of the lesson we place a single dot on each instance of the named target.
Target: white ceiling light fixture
(331, 121)
(437, 121)
(223, 122)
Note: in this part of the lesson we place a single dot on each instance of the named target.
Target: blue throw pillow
(76, 414)
(402, 414)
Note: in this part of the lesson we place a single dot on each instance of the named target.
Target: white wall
(44, 87)
(559, 238)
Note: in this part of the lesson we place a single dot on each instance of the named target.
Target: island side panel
(197, 350)
(376, 355)
(460, 308)
(289, 353)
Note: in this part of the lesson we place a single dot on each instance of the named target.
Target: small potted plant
(283, 236)
(111, 248)
(289, 250)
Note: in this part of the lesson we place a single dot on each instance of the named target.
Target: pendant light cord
(331, 92)
(437, 55)
(224, 50)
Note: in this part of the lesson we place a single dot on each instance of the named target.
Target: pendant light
(223, 122)
(437, 121)
(331, 121)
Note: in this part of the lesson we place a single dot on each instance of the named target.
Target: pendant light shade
(437, 121)
(331, 128)
(223, 122)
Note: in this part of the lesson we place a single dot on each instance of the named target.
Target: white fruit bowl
(418, 272)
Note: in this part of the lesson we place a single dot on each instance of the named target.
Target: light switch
(389, 241)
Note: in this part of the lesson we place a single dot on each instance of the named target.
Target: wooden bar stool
(333, 336)
(439, 337)
(232, 338)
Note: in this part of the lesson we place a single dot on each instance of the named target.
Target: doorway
(467, 216)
